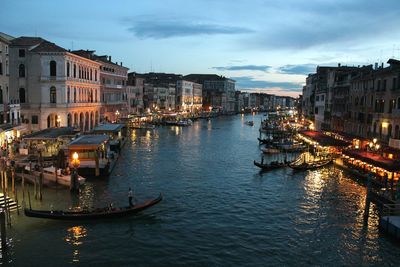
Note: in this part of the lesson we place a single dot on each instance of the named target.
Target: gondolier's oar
(29, 198)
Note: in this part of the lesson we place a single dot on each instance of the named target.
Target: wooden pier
(390, 220)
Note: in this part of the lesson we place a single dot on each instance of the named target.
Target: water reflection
(75, 236)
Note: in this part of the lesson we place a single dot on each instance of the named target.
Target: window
(21, 95)
(68, 94)
(379, 85)
(53, 68)
(392, 105)
(316, 110)
(74, 95)
(394, 83)
(74, 71)
(21, 53)
(1, 96)
(1, 68)
(35, 119)
(67, 69)
(95, 75)
(21, 70)
(384, 85)
(91, 74)
(53, 95)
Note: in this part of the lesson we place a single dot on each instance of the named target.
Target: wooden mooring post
(3, 230)
(367, 199)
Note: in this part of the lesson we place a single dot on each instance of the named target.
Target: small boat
(264, 141)
(100, 213)
(309, 165)
(49, 174)
(270, 166)
(250, 123)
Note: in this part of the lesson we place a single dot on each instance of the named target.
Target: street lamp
(116, 115)
(74, 175)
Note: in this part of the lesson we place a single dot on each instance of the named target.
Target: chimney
(376, 65)
(382, 65)
(338, 65)
(121, 63)
(109, 58)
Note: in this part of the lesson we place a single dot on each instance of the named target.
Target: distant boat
(183, 122)
(250, 123)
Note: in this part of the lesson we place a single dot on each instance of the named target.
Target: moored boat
(100, 213)
(270, 166)
(250, 123)
(309, 165)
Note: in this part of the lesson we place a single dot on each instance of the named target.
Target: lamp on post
(116, 115)
(374, 146)
(74, 174)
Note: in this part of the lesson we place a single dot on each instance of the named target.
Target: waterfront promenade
(218, 209)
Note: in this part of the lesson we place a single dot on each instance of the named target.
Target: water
(218, 209)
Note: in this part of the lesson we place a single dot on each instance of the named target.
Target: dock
(390, 220)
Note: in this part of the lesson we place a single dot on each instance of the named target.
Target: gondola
(270, 166)
(310, 165)
(100, 213)
(264, 141)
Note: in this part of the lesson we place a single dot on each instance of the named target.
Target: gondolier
(130, 197)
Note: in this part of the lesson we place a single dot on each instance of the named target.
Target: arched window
(389, 133)
(67, 69)
(21, 95)
(1, 96)
(74, 70)
(95, 75)
(374, 131)
(53, 95)
(68, 94)
(398, 103)
(396, 132)
(21, 70)
(380, 130)
(74, 95)
(53, 68)
(91, 74)
(95, 95)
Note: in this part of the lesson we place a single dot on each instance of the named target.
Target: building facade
(5, 114)
(54, 87)
(113, 82)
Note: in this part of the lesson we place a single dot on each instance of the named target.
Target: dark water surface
(218, 209)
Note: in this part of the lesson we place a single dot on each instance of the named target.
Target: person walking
(130, 197)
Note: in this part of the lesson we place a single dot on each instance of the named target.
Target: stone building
(135, 90)
(113, 82)
(5, 114)
(53, 86)
(218, 91)
(188, 96)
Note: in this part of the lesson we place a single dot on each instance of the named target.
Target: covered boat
(100, 213)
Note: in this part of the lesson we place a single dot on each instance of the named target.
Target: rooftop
(108, 127)
(324, 140)
(50, 133)
(6, 37)
(88, 141)
(26, 41)
(47, 46)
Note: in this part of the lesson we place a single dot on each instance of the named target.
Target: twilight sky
(265, 45)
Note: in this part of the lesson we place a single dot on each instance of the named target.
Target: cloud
(244, 67)
(169, 28)
(327, 24)
(298, 69)
(246, 82)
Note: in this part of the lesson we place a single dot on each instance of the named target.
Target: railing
(391, 210)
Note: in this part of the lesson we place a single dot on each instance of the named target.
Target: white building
(53, 86)
(188, 96)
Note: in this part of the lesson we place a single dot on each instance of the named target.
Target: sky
(265, 46)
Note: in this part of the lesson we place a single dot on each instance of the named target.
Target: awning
(324, 140)
(374, 159)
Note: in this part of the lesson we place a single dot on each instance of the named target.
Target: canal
(218, 209)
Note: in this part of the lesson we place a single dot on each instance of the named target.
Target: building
(135, 89)
(218, 91)
(188, 96)
(374, 104)
(113, 82)
(54, 87)
(5, 115)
